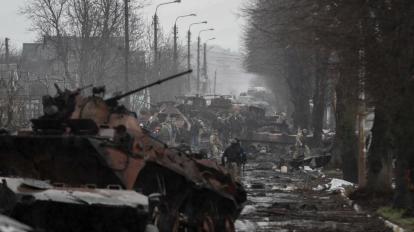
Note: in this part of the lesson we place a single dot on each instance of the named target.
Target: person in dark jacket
(233, 158)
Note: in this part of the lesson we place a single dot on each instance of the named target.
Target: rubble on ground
(291, 202)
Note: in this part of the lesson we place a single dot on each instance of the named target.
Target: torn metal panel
(111, 197)
(10, 225)
(43, 191)
(48, 208)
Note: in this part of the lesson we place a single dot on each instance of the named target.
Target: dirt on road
(293, 202)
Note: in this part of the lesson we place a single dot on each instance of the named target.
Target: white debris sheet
(336, 185)
(339, 185)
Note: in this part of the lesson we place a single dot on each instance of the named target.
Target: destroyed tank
(91, 142)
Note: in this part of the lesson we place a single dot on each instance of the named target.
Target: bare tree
(87, 35)
(48, 20)
(297, 38)
(11, 101)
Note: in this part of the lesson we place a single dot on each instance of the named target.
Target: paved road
(286, 202)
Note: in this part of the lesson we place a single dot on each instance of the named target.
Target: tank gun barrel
(85, 87)
(119, 97)
(60, 92)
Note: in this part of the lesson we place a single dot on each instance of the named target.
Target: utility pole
(198, 65)
(156, 42)
(215, 82)
(205, 65)
(175, 47)
(205, 61)
(189, 60)
(205, 69)
(156, 59)
(157, 54)
(189, 51)
(126, 88)
(198, 57)
(177, 85)
(155, 67)
(7, 51)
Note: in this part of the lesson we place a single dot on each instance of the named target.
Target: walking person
(233, 159)
(215, 145)
(195, 132)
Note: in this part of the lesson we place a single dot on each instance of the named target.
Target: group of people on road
(190, 133)
(171, 129)
(229, 125)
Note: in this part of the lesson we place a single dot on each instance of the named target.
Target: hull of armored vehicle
(62, 160)
(196, 195)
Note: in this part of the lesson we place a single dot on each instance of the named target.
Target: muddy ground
(287, 202)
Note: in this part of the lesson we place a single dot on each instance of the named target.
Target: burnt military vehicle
(92, 142)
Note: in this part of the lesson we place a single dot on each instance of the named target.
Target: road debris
(294, 202)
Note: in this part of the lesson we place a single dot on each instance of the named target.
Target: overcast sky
(221, 15)
(12, 24)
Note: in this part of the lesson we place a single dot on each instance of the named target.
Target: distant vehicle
(259, 97)
(193, 100)
(221, 102)
(253, 90)
(211, 96)
(246, 99)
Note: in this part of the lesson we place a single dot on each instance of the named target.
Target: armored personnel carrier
(91, 142)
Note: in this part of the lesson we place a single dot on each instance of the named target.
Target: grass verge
(397, 216)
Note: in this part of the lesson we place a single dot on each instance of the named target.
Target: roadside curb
(358, 209)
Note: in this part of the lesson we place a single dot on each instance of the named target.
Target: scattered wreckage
(88, 208)
(8, 224)
(98, 161)
(266, 132)
(273, 135)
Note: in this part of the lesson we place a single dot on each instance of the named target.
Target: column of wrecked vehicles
(259, 131)
(248, 123)
(87, 165)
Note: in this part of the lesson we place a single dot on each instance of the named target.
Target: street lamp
(165, 3)
(183, 16)
(176, 35)
(205, 73)
(175, 52)
(210, 29)
(156, 28)
(126, 52)
(191, 25)
(198, 57)
(210, 39)
(189, 51)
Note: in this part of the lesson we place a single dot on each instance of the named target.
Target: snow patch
(307, 169)
(339, 185)
(287, 188)
(284, 169)
(245, 226)
(319, 188)
(260, 199)
(334, 185)
(248, 209)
